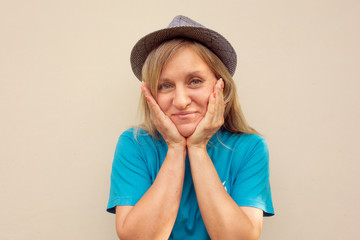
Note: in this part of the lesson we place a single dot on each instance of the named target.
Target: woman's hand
(213, 120)
(162, 122)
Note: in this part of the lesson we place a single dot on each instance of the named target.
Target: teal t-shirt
(241, 161)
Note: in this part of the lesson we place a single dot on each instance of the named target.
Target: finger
(154, 107)
(214, 99)
(155, 110)
(212, 104)
(222, 102)
(221, 96)
(159, 118)
(219, 106)
(146, 91)
(162, 123)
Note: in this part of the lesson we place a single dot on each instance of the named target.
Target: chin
(186, 132)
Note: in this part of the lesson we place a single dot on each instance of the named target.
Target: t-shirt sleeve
(130, 178)
(252, 186)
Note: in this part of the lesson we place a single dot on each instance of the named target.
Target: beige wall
(67, 92)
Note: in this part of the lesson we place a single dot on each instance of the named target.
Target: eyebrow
(189, 74)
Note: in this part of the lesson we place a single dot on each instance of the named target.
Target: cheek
(203, 97)
(163, 102)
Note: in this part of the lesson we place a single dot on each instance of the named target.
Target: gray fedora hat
(183, 27)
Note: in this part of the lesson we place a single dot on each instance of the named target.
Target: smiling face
(184, 87)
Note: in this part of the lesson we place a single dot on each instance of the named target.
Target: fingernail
(147, 98)
(221, 83)
(214, 94)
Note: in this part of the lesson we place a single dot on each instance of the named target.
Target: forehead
(185, 61)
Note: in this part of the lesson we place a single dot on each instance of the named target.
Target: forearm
(154, 215)
(223, 218)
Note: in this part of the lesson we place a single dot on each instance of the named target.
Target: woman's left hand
(213, 120)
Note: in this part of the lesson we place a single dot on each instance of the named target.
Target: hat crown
(182, 21)
(183, 27)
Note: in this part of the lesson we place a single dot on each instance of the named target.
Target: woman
(194, 169)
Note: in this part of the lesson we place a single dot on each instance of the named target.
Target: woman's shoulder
(242, 142)
(137, 141)
(241, 137)
(138, 136)
(245, 148)
(134, 134)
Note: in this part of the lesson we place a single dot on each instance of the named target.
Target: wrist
(196, 147)
(197, 153)
(177, 151)
(177, 147)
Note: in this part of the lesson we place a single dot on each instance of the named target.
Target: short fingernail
(214, 94)
(147, 98)
(221, 83)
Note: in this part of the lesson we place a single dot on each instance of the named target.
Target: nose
(181, 99)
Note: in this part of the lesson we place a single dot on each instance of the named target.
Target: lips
(184, 115)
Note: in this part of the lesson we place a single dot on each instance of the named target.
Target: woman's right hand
(162, 122)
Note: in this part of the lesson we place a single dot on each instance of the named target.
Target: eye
(164, 86)
(195, 82)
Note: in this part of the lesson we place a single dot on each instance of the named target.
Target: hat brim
(209, 38)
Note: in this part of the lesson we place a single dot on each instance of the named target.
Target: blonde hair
(234, 120)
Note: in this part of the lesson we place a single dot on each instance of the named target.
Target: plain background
(67, 92)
